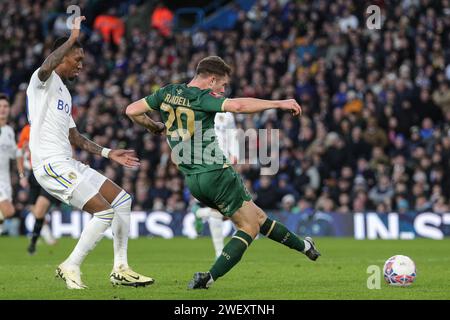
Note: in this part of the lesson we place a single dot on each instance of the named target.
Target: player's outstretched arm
(137, 113)
(253, 105)
(56, 57)
(124, 157)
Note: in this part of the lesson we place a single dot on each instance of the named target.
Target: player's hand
(127, 158)
(290, 105)
(24, 182)
(76, 27)
(158, 128)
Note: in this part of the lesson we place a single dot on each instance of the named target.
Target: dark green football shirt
(188, 114)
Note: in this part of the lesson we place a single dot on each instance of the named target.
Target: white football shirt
(225, 129)
(8, 151)
(49, 106)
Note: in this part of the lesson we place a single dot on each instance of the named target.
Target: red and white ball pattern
(399, 271)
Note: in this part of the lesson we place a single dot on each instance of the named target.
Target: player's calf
(121, 227)
(231, 255)
(122, 274)
(69, 270)
(35, 235)
(278, 232)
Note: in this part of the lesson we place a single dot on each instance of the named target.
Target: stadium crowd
(374, 134)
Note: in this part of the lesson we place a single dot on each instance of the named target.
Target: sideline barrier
(369, 225)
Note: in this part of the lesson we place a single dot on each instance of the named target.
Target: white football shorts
(69, 180)
(5, 192)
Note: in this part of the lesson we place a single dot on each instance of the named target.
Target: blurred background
(374, 136)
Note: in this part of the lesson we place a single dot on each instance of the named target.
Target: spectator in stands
(441, 97)
(382, 192)
(336, 155)
(287, 204)
(284, 188)
(374, 135)
(348, 21)
(162, 19)
(266, 194)
(137, 19)
(401, 204)
(440, 206)
(111, 27)
(357, 146)
(422, 204)
(306, 175)
(344, 203)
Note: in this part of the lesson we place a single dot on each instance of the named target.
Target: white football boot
(71, 275)
(125, 276)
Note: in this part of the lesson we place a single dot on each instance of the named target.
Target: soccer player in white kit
(53, 132)
(225, 128)
(8, 151)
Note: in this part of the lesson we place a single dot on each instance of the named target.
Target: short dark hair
(213, 65)
(4, 97)
(60, 41)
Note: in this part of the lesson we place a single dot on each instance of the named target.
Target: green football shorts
(221, 189)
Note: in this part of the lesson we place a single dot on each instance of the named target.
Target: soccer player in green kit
(188, 112)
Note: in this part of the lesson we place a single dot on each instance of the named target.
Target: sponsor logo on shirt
(72, 176)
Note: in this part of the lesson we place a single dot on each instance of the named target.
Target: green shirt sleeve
(154, 100)
(211, 102)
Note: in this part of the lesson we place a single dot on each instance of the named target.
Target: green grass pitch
(268, 270)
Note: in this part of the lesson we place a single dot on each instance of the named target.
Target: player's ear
(64, 59)
(212, 81)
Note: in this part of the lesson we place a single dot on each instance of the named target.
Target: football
(399, 271)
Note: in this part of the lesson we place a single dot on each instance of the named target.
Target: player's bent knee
(260, 214)
(11, 212)
(8, 211)
(253, 232)
(87, 197)
(256, 230)
(105, 216)
(122, 202)
(246, 221)
(96, 204)
(262, 217)
(251, 229)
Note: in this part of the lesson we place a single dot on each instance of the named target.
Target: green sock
(231, 254)
(279, 233)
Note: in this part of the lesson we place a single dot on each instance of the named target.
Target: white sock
(121, 228)
(46, 234)
(91, 235)
(216, 229)
(203, 213)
